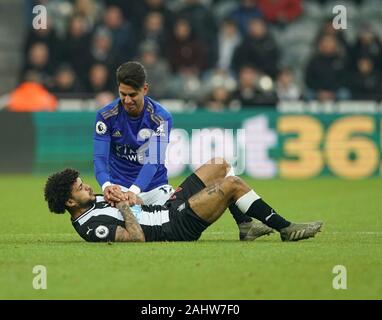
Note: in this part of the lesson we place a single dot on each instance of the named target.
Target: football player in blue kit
(128, 134)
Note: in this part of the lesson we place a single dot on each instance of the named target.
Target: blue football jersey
(129, 150)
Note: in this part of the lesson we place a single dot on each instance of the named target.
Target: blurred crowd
(217, 54)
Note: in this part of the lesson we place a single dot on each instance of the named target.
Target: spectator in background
(217, 78)
(159, 6)
(187, 53)
(102, 51)
(244, 13)
(123, 38)
(328, 29)
(77, 47)
(218, 99)
(366, 82)
(38, 61)
(367, 44)
(326, 72)
(203, 24)
(200, 18)
(280, 11)
(66, 83)
(158, 71)
(228, 39)
(47, 36)
(99, 80)
(258, 49)
(89, 10)
(286, 87)
(249, 93)
(136, 10)
(31, 96)
(154, 33)
(131, 9)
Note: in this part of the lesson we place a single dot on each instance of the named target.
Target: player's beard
(88, 204)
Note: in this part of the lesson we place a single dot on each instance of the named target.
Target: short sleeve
(102, 128)
(99, 232)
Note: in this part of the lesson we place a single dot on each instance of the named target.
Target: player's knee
(223, 166)
(234, 183)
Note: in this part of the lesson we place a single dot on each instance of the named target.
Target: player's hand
(131, 198)
(139, 200)
(113, 194)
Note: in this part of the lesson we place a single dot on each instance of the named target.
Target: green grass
(216, 267)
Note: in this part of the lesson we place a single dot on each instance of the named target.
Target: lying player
(199, 201)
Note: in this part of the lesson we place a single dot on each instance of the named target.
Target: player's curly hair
(58, 189)
(131, 73)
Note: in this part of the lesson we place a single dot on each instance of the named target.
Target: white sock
(245, 201)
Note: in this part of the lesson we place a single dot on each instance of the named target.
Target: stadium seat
(302, 31)
(370, 9)
(223, 8)
(312, 10)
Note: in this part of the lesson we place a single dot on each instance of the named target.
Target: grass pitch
(216, 267)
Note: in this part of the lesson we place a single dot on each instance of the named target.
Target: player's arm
(155, 155)
(132, 231)
(101, 150)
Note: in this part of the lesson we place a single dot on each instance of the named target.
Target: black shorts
(185, 224)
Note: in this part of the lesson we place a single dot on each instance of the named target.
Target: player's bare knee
(222, 165)
(233, 183)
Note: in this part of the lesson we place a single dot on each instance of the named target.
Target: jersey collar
(84, 214)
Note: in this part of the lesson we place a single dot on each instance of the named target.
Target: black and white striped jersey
(100, 222)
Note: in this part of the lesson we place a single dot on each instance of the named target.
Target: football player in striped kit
(197, 203)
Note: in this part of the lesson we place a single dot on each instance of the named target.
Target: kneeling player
(198, 202)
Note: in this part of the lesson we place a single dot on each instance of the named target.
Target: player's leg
(219, 168)
(213, 170)
(251, 204)
(210, 203)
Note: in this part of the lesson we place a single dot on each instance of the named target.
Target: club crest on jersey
(144, 133)
(101, 232)
(101, 127)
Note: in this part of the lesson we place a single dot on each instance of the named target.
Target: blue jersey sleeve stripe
(150, 107)
(105, 113)
(156, 119)
(112, 112)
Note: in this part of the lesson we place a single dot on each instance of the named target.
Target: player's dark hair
(58, 189)
(131, 73)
